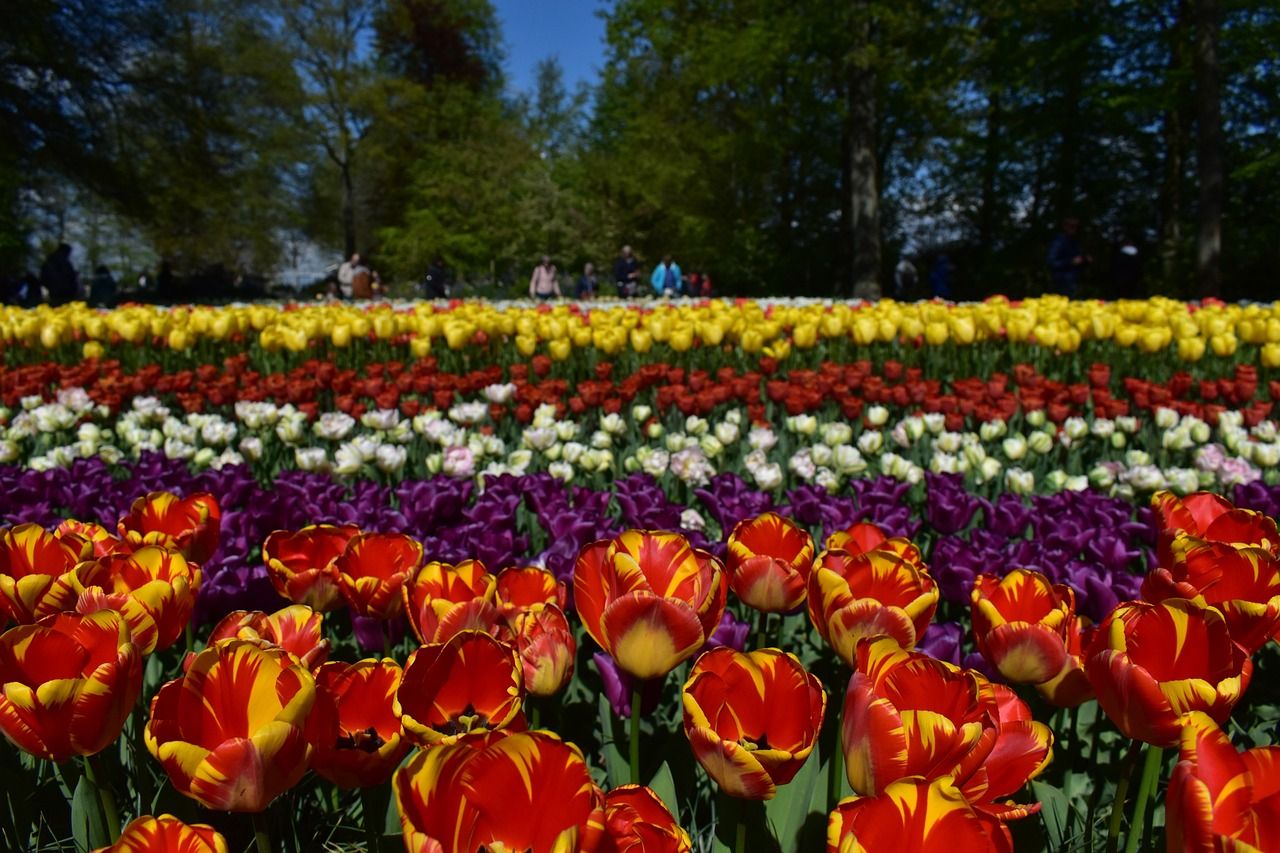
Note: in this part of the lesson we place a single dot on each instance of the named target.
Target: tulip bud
(1019, 481)
(1036, 418)
(1015, 447)
(991, 430)
(876, 416)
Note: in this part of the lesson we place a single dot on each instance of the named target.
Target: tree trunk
(1210, 167)
(1174, 131)
(348, 210)
(990, 167)
(863, 167)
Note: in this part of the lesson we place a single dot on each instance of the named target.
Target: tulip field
(776, 576)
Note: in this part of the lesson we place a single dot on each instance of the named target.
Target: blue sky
(536, 29)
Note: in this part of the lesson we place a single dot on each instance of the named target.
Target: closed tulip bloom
(167, 834)
(544, 640)
(1212, 518)
(68, 683)
(230, 732)
(190, 525)
(441, 600)
(637, 821)
(101, 540)
(301, 564)
(472, 683)
(373, 569)
(855, 596)
(864, 536)
(154, 588)
(907, 714)
(768, 559)
(752, 719)
(1070, 687)
(296, 629)
(649, 599)
(915, 816)
(530, 588)
(355, 735)
(1220, 799)
(34, 570)
(1151, 663)
(1020, 624)
(499, 791)
(1243, 583)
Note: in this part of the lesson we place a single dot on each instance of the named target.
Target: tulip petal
(650, 636)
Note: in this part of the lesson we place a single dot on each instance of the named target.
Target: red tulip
(1209, 517)
(523, 589)
(768, 559)
(637, 821)
(167, 834)
(34, 572)
(546, 646)
(1020, 624)
(442, 600)
(301, 564)
(297, 629)
(154, 588)
(1070, 687)
(471, 683)
(373, 569)
(499, 791)
(189, 524)
(915, 816)
(649, 599)
(355, 734)
(864, 536)
(1149, 664)
(68, 683)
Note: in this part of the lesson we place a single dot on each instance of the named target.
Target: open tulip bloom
(301, 564)
(166, 834)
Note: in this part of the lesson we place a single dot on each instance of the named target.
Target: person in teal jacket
(666, 279)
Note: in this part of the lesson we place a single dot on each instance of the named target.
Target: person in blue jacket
(666, 279)
(1066, 260)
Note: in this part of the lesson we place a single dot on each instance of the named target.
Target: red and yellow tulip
(1212, 518)
(864, 536)
(546, 647)
(155, 588)
(1220, 799)
(296, 629)
(355, 735)
(915, 816)
(373, 569)
(102, 540)
(190, 525)
(499, 791)
(472, 683)
(441, 600)
(1070, 687)
(1149, 664)
(768, 559)
(301, 564)
(519, 590)
(167, 834)
(637, 821)
(1020, 624)
(230, 732)
(649, 599)
(752, 719)
(68, 683)
(856, 596)
(907, 714)
(34, 572)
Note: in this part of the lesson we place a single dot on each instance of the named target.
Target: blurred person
(361, 280)
(940, 277)
(435, 284)
(1126, 270)
(102, 288)
(58, 276)
(666, 279)
(544, 284)
(626, 273)
(1066, 259)
(587, 284)
(904, 278)
(346, 274)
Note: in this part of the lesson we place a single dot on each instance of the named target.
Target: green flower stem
(1146, 790)
(262, 832)
(102, 782)
(740, 842)
(635, 732)
(835, 769)
(1122, 791)
(374, 808)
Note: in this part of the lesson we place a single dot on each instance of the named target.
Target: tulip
(34, 570)
(637, 821)
(1214, 519)
(768, 559)
(154, 588)
(102, 540)
(649, 599)
(1220, 799)
(854, 596)
(1020, 624)
(471, 683)
(373, 569)
(355, 736)
(301, 564)
(68, 683)
(189, 524)
(1243, 583)
(523, 589)
(546, 646)
(918, 816)
(752, 719)
(907, 714)
(1149, 664)
(297, 629)
(499, 791)
(442, 600)
(1070, 687)
(230, 732)
(167, 834)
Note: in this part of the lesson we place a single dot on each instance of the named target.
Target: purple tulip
(618, 687)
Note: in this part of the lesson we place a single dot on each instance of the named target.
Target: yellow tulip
(1191, 349)
(526, 345)
(805, 335)
(1270, 355)
(681, 339)
(560, 349)
(93, 349)
(340, 336)
(641, 341)
(935, 334)
(1224, 344)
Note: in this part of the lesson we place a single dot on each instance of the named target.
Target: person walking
(59, 277)
(346, 274)
(361, 280)
(904, 278)
(544, 284)
(586, 288)
(1066, 259)
(666, 279)
(626, 273)
(435, 284)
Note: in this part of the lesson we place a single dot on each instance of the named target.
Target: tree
(863, 161)
(1210, 166)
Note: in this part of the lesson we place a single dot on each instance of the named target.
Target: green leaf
(788, 812)
(1055, 812)
(88, 823)
(616, 766)
(664, 785)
